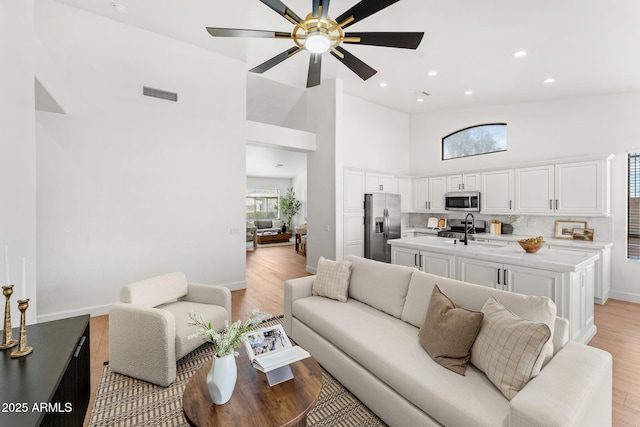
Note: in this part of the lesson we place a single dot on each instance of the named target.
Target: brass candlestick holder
(22, 350)
(7, 337)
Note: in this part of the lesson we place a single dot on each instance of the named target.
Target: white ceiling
(590, 47)
(262, 161)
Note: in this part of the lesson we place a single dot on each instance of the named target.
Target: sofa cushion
(263, 223)
(509, 349)
(389, 349)
(277, 223)
(380, 285)
(155, 290)
(473, 297)
(448, 332)
(332, 280)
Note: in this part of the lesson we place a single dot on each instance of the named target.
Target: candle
(24, 278)
(6, 265)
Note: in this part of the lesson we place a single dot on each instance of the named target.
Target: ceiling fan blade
(354, 64)
(364, 9)
(388, 39)
(315, 62)
(237, 32)
(282, 10)
(316, 8)
(267, 65)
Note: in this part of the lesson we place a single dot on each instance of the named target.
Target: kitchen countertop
(507, 238)
(502, 252)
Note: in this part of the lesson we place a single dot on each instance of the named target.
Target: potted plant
(289, 206)
(221, 379)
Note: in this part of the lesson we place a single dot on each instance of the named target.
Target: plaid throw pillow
(508, 349)
(332, 280)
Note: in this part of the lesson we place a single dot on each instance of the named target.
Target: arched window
(474, 140)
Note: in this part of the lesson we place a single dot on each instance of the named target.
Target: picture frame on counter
(565, 228)
(585, 234)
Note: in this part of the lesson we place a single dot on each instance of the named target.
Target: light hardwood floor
(618, 325)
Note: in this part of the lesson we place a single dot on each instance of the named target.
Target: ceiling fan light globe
(317, 42)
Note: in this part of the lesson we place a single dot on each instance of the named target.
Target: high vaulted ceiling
(590, 47)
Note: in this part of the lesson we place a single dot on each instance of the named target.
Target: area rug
(125, 401)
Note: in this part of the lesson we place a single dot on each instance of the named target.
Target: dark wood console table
(51, 386)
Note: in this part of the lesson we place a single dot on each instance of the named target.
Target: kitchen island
(565, 276)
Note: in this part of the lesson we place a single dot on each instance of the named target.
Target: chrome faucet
(466, 227)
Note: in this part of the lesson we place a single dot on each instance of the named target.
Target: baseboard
(98, 310)
(101, 310)
(625, 296)
(311, 270)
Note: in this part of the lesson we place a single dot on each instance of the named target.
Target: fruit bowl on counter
(532, 244)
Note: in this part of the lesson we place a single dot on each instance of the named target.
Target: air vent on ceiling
(161, 94)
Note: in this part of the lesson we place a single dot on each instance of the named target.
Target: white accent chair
(148, 329)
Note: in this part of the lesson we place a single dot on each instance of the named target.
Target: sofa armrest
(142, 343)
(295, 289)
(573, 389)
(209, 294)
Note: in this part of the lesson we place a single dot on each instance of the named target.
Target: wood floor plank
(618, 324)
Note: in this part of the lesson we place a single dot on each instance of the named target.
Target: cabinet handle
(426, 205)
(505, 277)
(550, 205)
(510, 202)
(380, 187)
(415, 260)
(420, 258)
(80, 344)
(499, 275)
(556, 204)
(429, 205)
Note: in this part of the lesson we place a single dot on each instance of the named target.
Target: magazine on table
(269, 348)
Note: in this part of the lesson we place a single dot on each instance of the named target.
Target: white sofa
(148, 328)
(370, 344)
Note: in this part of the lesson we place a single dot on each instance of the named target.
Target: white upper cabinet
(428, 194)
(353, 191)
(497, 192)
(579, 188)
(534, 189)
(437, 188)
(464, 182)
(376, 182)
(405, 188)
(421, 194)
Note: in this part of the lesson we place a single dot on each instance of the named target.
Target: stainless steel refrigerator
(381, 223)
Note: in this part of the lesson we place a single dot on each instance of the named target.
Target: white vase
(221, 379)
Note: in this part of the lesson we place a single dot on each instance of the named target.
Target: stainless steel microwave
(462, 201)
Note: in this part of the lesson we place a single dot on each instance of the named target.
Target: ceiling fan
(318, 33)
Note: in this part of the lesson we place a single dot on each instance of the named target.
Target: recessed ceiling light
(383, 84)
(520, 54)
(119, 8)
(549, 80)
(432, 73)
(420, 99)
(468, 92)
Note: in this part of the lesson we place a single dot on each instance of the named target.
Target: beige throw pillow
(448, 332)
(508, 349)
(332, 280)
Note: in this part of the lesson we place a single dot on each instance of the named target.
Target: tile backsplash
(531, 225)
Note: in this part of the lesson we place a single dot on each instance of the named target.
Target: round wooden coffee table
(253, 401)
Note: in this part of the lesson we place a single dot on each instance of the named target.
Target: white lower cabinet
(434, 263)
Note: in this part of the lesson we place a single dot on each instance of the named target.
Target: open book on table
(269, 348)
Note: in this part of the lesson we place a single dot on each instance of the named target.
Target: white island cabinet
(565, 277)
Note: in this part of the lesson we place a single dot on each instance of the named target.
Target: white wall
(17, 152)
(546, 131)
(131, 186)
(375, 137)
